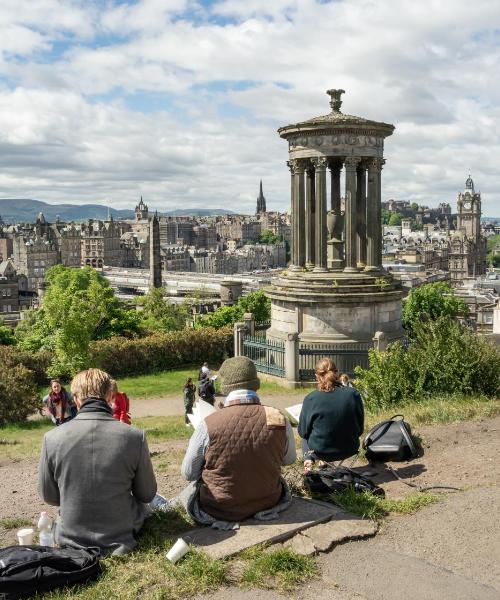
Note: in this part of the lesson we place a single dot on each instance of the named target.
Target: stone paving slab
(303, 513)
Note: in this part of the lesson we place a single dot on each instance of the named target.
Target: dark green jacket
(331, 422)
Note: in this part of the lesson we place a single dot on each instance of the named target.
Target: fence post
(249, 321)
(239, 330)
(380, 341)
(292, 357)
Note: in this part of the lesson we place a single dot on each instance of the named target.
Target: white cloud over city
(179, 100)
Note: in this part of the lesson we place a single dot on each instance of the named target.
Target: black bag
(328, 480)
(25, 570)
(390, 440)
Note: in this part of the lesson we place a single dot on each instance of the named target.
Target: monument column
(351, 164)
(361, 215)
(334, 219)
(320, 233)
(309, 217)
(297, 168)
(374, 217)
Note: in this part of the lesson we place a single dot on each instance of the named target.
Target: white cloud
(214, 83)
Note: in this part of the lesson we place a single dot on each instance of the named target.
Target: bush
(444, 358)
(122, 357)
(36, 362)
(18, 394)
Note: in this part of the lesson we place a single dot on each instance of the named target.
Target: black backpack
(26, 570)
(328, 480)
(390, 440)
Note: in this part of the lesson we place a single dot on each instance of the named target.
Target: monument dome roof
(337, 120)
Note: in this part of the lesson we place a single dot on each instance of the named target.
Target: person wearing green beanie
(234, 457)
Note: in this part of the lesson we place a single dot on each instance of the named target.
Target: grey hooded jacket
(98, 471)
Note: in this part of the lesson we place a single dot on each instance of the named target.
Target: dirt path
(446, 550)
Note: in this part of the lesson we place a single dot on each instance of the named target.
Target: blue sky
(179, 100)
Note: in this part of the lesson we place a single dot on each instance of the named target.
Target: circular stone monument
(335, 290)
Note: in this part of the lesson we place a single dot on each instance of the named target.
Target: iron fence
(268, 355)
(345, 356)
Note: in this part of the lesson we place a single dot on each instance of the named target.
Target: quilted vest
(242, 468)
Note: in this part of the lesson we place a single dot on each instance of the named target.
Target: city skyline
(180, 101)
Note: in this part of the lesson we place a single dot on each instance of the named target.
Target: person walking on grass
(189, 392)
(98, 471)
(60, 403)
(332, 418)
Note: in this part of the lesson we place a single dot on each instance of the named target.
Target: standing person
(120, 404)
(206, 389)
(204, 371)
(189, 398)
(59, 403)
(234, 456)
(331, 419)
(98, 471)
(345, 381)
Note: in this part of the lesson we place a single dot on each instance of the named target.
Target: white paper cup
(25, 537)
(177, 551)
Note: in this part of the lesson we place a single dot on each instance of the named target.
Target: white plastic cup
(25, 536)
(177, 551)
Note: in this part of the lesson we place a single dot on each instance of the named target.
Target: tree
(6, 334)
(268, 237)
(159, 314)
(434, 300)
(414, 206)
(395, 219)
(494, 260)
(256, 302)
(78, 307)
(386, 215)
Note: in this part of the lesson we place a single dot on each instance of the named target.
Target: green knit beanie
(238, 373)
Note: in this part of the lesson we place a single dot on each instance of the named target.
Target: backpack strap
(377, 427)
(407, 438)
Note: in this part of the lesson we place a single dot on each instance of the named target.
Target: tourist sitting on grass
(235, 455)
(60, 403)
(120, 404)
(98, 471)
(331, 419)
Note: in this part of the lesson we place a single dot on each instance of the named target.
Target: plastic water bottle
(45, 535)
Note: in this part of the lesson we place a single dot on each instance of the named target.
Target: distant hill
(24, 210)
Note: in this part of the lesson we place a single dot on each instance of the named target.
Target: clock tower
(469, 211)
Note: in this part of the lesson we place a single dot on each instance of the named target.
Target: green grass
(15, 523)
(23, 440)
(163, 429)
(166, 383)
(280, 568)
(369, 506)
(440, 410)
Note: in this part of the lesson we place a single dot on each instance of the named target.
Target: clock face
(467, 204)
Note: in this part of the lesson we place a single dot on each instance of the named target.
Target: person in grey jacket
(98, 471)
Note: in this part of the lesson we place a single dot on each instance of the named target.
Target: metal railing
(268, 356)
(345, 356)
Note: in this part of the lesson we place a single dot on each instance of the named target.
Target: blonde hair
(91, 383)
(344, 378)
(113, 386)
(326, 374)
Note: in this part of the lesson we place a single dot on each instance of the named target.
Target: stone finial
(335, 101)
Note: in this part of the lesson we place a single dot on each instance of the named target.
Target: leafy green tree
(159, 314)
(6, 334)
(414, 206)
(386, 215)
(256, 303)
(268, 237)
(395, 219)
(78, 307)
(494, 261)
(434, 300)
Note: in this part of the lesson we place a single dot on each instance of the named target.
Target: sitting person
(234, 456)
(60, 403)
(331, 419)
(120, 404)
(98, 471)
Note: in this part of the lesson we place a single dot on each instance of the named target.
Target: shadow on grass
(162, 528)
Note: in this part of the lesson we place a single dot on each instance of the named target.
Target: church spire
(261, 201)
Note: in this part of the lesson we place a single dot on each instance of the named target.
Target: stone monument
(335, 291)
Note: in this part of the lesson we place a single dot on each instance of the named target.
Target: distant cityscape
(420, 245)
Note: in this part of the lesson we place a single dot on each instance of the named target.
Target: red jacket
(121, 408)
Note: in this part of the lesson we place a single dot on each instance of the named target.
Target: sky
(179, 100)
